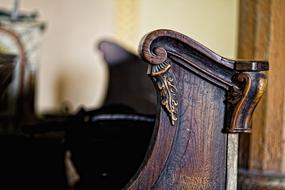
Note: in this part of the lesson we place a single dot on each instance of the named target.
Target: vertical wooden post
(262, 36)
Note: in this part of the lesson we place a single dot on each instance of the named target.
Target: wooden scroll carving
(206, 101)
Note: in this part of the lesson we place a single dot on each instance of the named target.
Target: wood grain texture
(275, 116)
(254, 37)
(190, 151)
(267, 45)
(198, 138)
(263, 162)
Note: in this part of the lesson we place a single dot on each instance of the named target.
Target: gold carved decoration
(165, 82)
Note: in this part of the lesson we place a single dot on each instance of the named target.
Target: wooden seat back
(205, 101)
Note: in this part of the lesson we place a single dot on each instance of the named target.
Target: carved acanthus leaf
(165, 82)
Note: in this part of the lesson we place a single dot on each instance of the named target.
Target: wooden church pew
(206, 101)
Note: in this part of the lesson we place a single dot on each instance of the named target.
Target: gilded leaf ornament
(164, 79)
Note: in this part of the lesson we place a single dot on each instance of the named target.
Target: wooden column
(262, 36)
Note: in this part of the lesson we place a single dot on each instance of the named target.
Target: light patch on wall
(68, 53)
(126, 21)
(212, 23)
(3, 48)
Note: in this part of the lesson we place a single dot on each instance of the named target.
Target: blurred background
(71, 70)
(68, 49)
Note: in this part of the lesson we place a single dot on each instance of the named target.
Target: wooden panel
(199, 137)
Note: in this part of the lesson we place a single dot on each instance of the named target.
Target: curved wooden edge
(156, 156)
(245, 82)
(159, 55)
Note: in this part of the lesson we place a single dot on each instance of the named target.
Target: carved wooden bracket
(242, 101)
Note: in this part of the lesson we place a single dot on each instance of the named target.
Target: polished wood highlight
(203, 97)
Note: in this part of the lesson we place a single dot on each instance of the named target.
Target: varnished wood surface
(198, 138)
(200, 97)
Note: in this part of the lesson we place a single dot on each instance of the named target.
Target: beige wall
(72, 70)
(211, 22)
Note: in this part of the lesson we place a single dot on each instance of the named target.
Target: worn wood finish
(262, 163)
(203, 97)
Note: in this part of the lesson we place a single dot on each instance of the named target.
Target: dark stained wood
(203, 97)
(200, 122)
